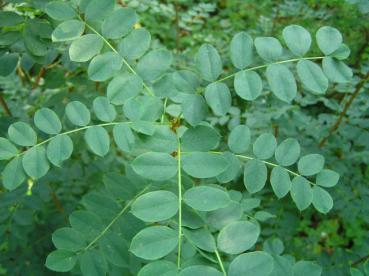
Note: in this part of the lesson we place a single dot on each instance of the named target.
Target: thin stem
(220, 262)
(266, 65)
(70, 132)
(114, 219)
(339, 120)
(179, 205)
(265, 162)
(164, 110)
(115, 51)
(4, 105)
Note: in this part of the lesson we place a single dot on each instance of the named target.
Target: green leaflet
(119, 23)
(280, 181)
(115, 249)
(224, 216)
(104, 66)
(264, 146)
(123, 137)
(256, 263)
(161, 267)
(85, 47)
(9, 18)
(254, 176)
(164, 87)
(336, 70)
(201, 238)
(301, 192)
(312, 77)
(200, 138)
(232, 171)
(298, 39)
(310, 164)
(35, 163)
(22, 134)
(218, 97)
(145, 244)
(186, 81)
(204, 165)
(59, 149)
(156, 166)
(238, 237)
(273, 246)
(209, 63)
(194, 109)
(68, 30)
(200, 270)
(61, 260)
(8, 63)
(239, 139)
(119, 186)
(322, 200)
(59, 10)
(162, 140)
(328, 39)
(102, 205)
(7, 149)
(304, 267)
(248, 85)
(242, 50)
(68, 239)
(288, 152)
(327, 178)
(13, 174)
(206, 198)
(134, 45)
(47, 121)
(155, 206)
(154, 64)
(104, 110)
(77, 113)
(343, 52)
(121, 88)
(93, 263)
(268, 48)
(146, 108)
(281, 82)
(87, 223)
(97, 10)
(98, 140)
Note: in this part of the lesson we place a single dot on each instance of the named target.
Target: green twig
(179, 205)
(220, 262)
(266, 65)
(114, 219)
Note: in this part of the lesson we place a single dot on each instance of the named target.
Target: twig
(362, 259)
(4, 105)
(38, 78)
(345, 109)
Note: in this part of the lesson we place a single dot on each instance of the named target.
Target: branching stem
(149, 91)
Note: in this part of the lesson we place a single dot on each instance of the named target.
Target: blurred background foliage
(336, 124)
